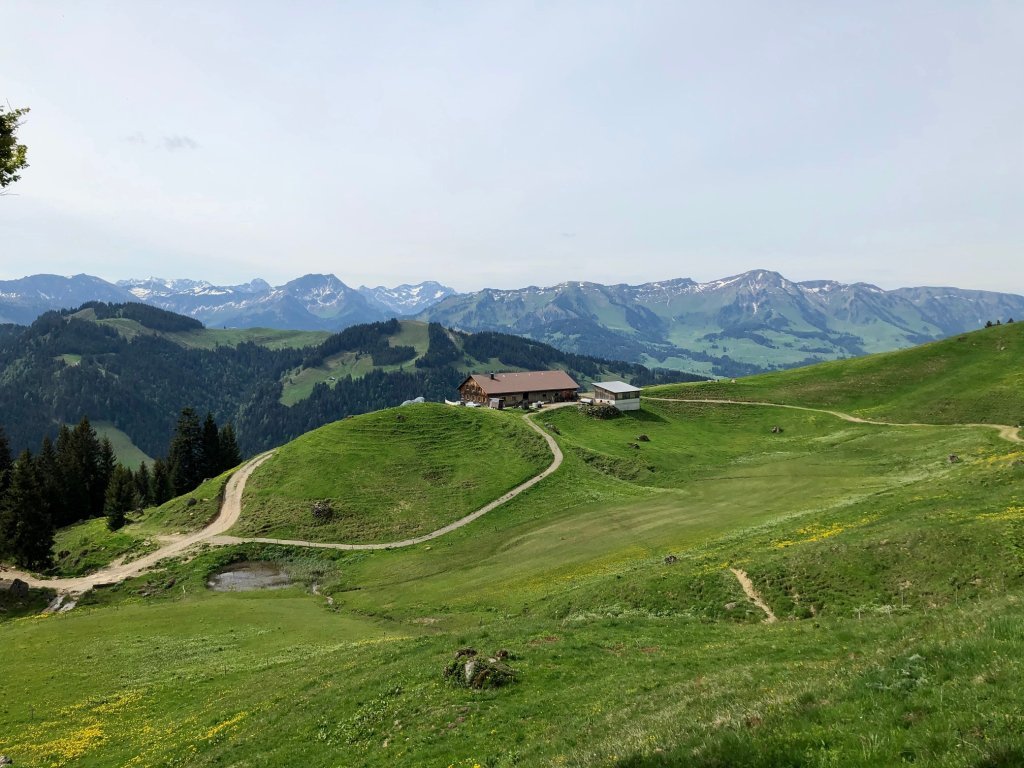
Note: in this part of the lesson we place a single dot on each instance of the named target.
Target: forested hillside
(137, 367)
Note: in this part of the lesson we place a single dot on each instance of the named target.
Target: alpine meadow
(776, 571)
(510, 385)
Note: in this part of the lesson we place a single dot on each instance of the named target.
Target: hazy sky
(506, 144)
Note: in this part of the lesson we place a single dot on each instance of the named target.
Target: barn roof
(526, 381)
(617, 387)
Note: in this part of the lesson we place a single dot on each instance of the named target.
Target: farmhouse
(510, 389)
(623, 396)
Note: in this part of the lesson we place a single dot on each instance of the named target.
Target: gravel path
(555, 464)
(231, 510)
(1005, 431)
(117, 571)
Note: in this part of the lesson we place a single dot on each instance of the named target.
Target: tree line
(77, 477)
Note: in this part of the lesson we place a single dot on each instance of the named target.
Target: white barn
(623, 396)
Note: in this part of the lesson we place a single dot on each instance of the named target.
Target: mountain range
(755, 321)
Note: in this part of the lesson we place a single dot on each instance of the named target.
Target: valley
(733, 326)
(895, 575)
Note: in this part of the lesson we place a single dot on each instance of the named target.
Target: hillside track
(118, 571)
(556, 462)
(1006, 432)
(230, 512)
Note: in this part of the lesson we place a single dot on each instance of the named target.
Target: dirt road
(555, 464)
(117, 571)
(1006, 432)
(231, 510)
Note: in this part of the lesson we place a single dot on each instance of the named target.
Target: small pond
(248, 576)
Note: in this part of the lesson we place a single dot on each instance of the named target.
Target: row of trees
(78, 478)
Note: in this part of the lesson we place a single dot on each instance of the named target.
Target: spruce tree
(26, 530)
(161, 487)
(211, 447)
(48, 470)
(120, 498)
(6, 462)
(144, 485)
(230, 456)
(105, 464)
(185, 457)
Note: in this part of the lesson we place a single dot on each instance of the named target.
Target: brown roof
(528, 381)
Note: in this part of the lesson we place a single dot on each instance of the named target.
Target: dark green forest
(63, 368)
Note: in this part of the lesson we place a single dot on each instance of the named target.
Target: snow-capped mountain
(407, 299)
(754, 321)
(315, 302)
(22, 301)
(739, 324)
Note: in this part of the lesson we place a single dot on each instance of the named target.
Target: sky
(503, 144)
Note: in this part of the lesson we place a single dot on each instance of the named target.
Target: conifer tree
(144, 485)
(26, 530)
(105, 466)
(48, 470)
(6, 462)
(161, 487)
(211, 448)
(230, 456)
(120, 498)
(185, 457)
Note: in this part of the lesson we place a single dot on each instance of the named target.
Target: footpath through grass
(391, 475)
(972, 377)
(897, 576)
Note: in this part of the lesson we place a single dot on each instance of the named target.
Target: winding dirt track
(555, 464)
(231, 510)
(117, 571)
(1005, 431)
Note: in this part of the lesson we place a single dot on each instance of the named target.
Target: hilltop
(133, 367)
(886, 629)
(972, 377)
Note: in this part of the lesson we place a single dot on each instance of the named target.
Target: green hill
(896, 578)
(973, 377)
(135, 367)
(392, 474)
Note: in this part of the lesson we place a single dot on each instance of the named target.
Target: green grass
(126, 451)
(898, 579)
(211, 338)
(392, 474)
(298, 384)
(89, 545)
(972, 377)
(180, 515)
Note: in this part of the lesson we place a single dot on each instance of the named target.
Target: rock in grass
(322, 510)
(953, 459)
(5, 760)
(469, 670)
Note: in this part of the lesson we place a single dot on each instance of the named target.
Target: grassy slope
(210, 338)
(972, 377)
(903, 576)
(299, 384)
(127, 452)
(391, 474)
